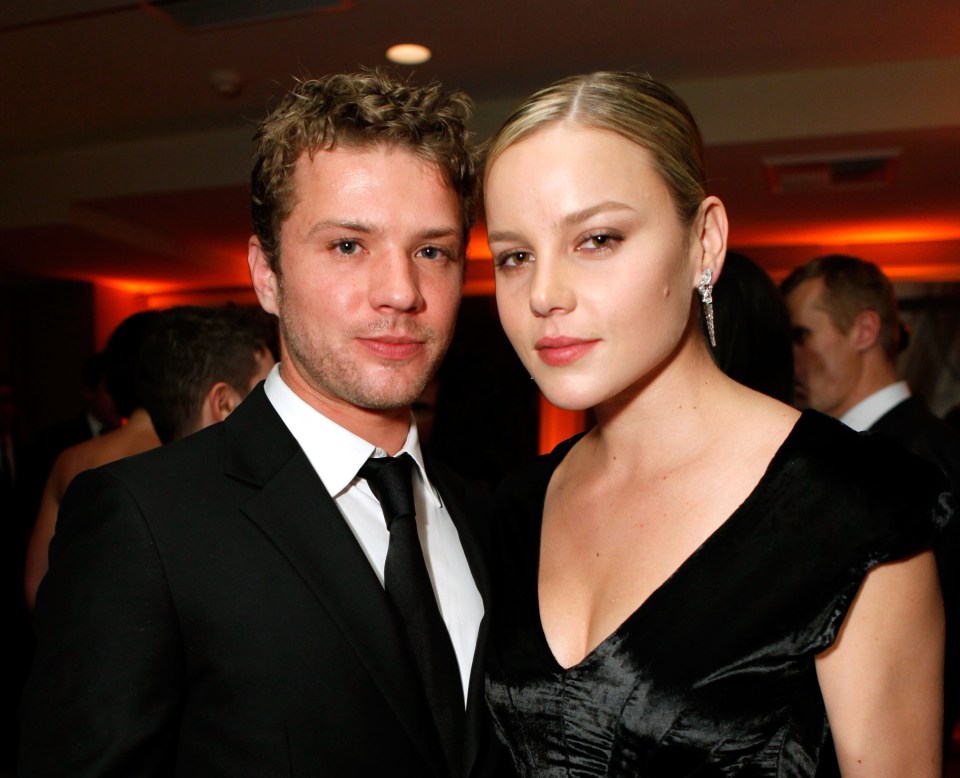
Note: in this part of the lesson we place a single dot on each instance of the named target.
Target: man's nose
(394, 282)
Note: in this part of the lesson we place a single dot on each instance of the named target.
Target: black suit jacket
(208, 612)
(912, 424)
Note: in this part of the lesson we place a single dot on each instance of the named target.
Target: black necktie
(408, 586)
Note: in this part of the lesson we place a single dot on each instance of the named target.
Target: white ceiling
(120, 162)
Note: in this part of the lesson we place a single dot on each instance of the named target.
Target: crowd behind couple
(707, 582)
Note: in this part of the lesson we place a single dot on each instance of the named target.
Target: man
(198, 364)
(847, 335)
(215, 608)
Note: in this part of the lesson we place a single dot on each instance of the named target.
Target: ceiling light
(408, 54)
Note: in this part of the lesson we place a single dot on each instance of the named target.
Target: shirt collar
(865, 413)
(334, 452)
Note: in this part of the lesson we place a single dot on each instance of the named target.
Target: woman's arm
(35, 564)
(882, 681)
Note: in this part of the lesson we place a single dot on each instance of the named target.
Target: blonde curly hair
(358, 109)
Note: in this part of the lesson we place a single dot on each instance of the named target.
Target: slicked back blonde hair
(632, 105)
(368, 108)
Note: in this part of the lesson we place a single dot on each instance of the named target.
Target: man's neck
(876, 373)
(386, 429)
(865, 414)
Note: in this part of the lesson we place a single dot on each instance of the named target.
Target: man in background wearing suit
(847, 336)
(224, 605)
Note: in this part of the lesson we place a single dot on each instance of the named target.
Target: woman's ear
(711, 237)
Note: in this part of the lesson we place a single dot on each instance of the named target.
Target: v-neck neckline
(774, 466)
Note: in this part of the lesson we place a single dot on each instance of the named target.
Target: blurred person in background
(847, 335)
(99, 414)
(198, 364)
(135, 435)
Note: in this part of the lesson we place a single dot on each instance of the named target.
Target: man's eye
(347, 247)
(432, 252)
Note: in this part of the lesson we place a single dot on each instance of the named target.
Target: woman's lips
(557, 352)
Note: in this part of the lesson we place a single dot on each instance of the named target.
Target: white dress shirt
(337, 455)
(865, 413)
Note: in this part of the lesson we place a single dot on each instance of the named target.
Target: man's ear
(218, 403)
(711, 238)
(265, 282)
(865, 330)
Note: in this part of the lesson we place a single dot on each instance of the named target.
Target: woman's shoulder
(861, 477)
(862, 459)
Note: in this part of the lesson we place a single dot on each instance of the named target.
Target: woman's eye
(514, 259)
(601, 240)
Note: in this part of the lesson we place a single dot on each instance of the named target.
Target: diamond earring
(706, 295)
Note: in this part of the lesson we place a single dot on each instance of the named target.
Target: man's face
(826, 363)
(371, 269)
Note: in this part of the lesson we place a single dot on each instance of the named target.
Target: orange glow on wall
(557, 424)
(859, 232)
(479, 272)
(132, 286)
(477, 246)
(111, 305)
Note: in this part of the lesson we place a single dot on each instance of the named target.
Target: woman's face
(594, 270)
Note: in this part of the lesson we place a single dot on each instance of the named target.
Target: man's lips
(559, 351)
(393, 347)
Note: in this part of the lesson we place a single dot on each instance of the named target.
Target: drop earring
(706, 295)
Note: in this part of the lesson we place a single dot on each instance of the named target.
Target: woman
(696, 585)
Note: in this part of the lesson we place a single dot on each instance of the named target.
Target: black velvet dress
(714, 674)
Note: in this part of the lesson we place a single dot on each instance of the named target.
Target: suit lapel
(295, 512)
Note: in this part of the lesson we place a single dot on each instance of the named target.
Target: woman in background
(702, 581)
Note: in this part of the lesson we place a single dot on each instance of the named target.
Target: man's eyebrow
(440, 232)
(367, 228)
(340, 224)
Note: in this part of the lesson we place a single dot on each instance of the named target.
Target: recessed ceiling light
(408, 54)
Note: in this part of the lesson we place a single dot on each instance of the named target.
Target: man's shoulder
(177, 466)
(443, 476)
(914, 426)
